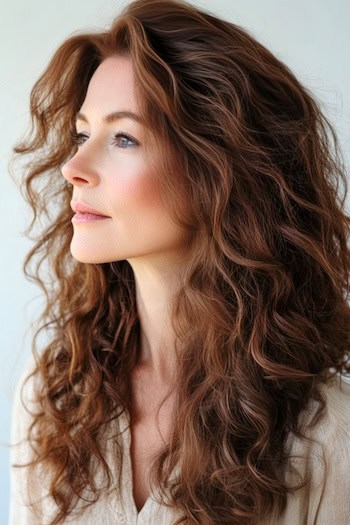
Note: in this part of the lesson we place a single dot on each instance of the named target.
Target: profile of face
(109, 173)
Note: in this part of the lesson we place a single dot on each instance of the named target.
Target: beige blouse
(325, 502)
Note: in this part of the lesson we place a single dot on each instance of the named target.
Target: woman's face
(111, 175)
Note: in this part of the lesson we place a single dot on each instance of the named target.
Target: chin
(88, 260)
(86, 255)
(90, 256)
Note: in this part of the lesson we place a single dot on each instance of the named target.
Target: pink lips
(86, 214)
(83, 208)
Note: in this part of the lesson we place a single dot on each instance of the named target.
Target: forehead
(111, 88)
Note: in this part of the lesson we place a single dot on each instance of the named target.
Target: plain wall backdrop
(312, 38)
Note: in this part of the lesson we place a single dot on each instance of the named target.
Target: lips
(80, 207)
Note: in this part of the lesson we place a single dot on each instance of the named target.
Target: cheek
(134, 193)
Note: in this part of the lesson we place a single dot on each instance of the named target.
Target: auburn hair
(261, 317)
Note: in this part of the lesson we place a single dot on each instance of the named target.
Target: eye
(78, 139)
(123, 135)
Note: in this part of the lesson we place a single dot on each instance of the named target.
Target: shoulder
(332, 429)
(24, 488)
(335, 421)
(331, 434)
(337, 397)
(324, 458)
(24, 398)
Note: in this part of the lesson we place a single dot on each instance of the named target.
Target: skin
(112, 176)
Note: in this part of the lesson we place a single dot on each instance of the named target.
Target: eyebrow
(112, 117)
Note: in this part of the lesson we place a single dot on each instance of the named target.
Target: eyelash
(76, 137)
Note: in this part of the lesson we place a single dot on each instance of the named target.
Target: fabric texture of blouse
(326, 501)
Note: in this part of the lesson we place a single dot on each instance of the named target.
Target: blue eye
(78, 139)
(128, 139)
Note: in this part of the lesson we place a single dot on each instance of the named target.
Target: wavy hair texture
(262, 318)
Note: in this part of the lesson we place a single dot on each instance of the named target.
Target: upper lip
(84, 208)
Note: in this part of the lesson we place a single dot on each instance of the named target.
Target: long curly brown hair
(261, 319)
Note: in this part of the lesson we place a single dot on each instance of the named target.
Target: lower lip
(87, 217)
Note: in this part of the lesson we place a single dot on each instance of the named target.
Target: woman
(197, 302)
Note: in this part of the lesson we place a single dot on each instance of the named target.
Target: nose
(79, 171)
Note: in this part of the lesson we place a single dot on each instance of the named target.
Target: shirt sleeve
(20, 453)
(326, 461)
(330, 504)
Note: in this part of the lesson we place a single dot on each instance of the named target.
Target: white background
(312, 38)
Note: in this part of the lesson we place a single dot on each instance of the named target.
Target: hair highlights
(262, 318)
